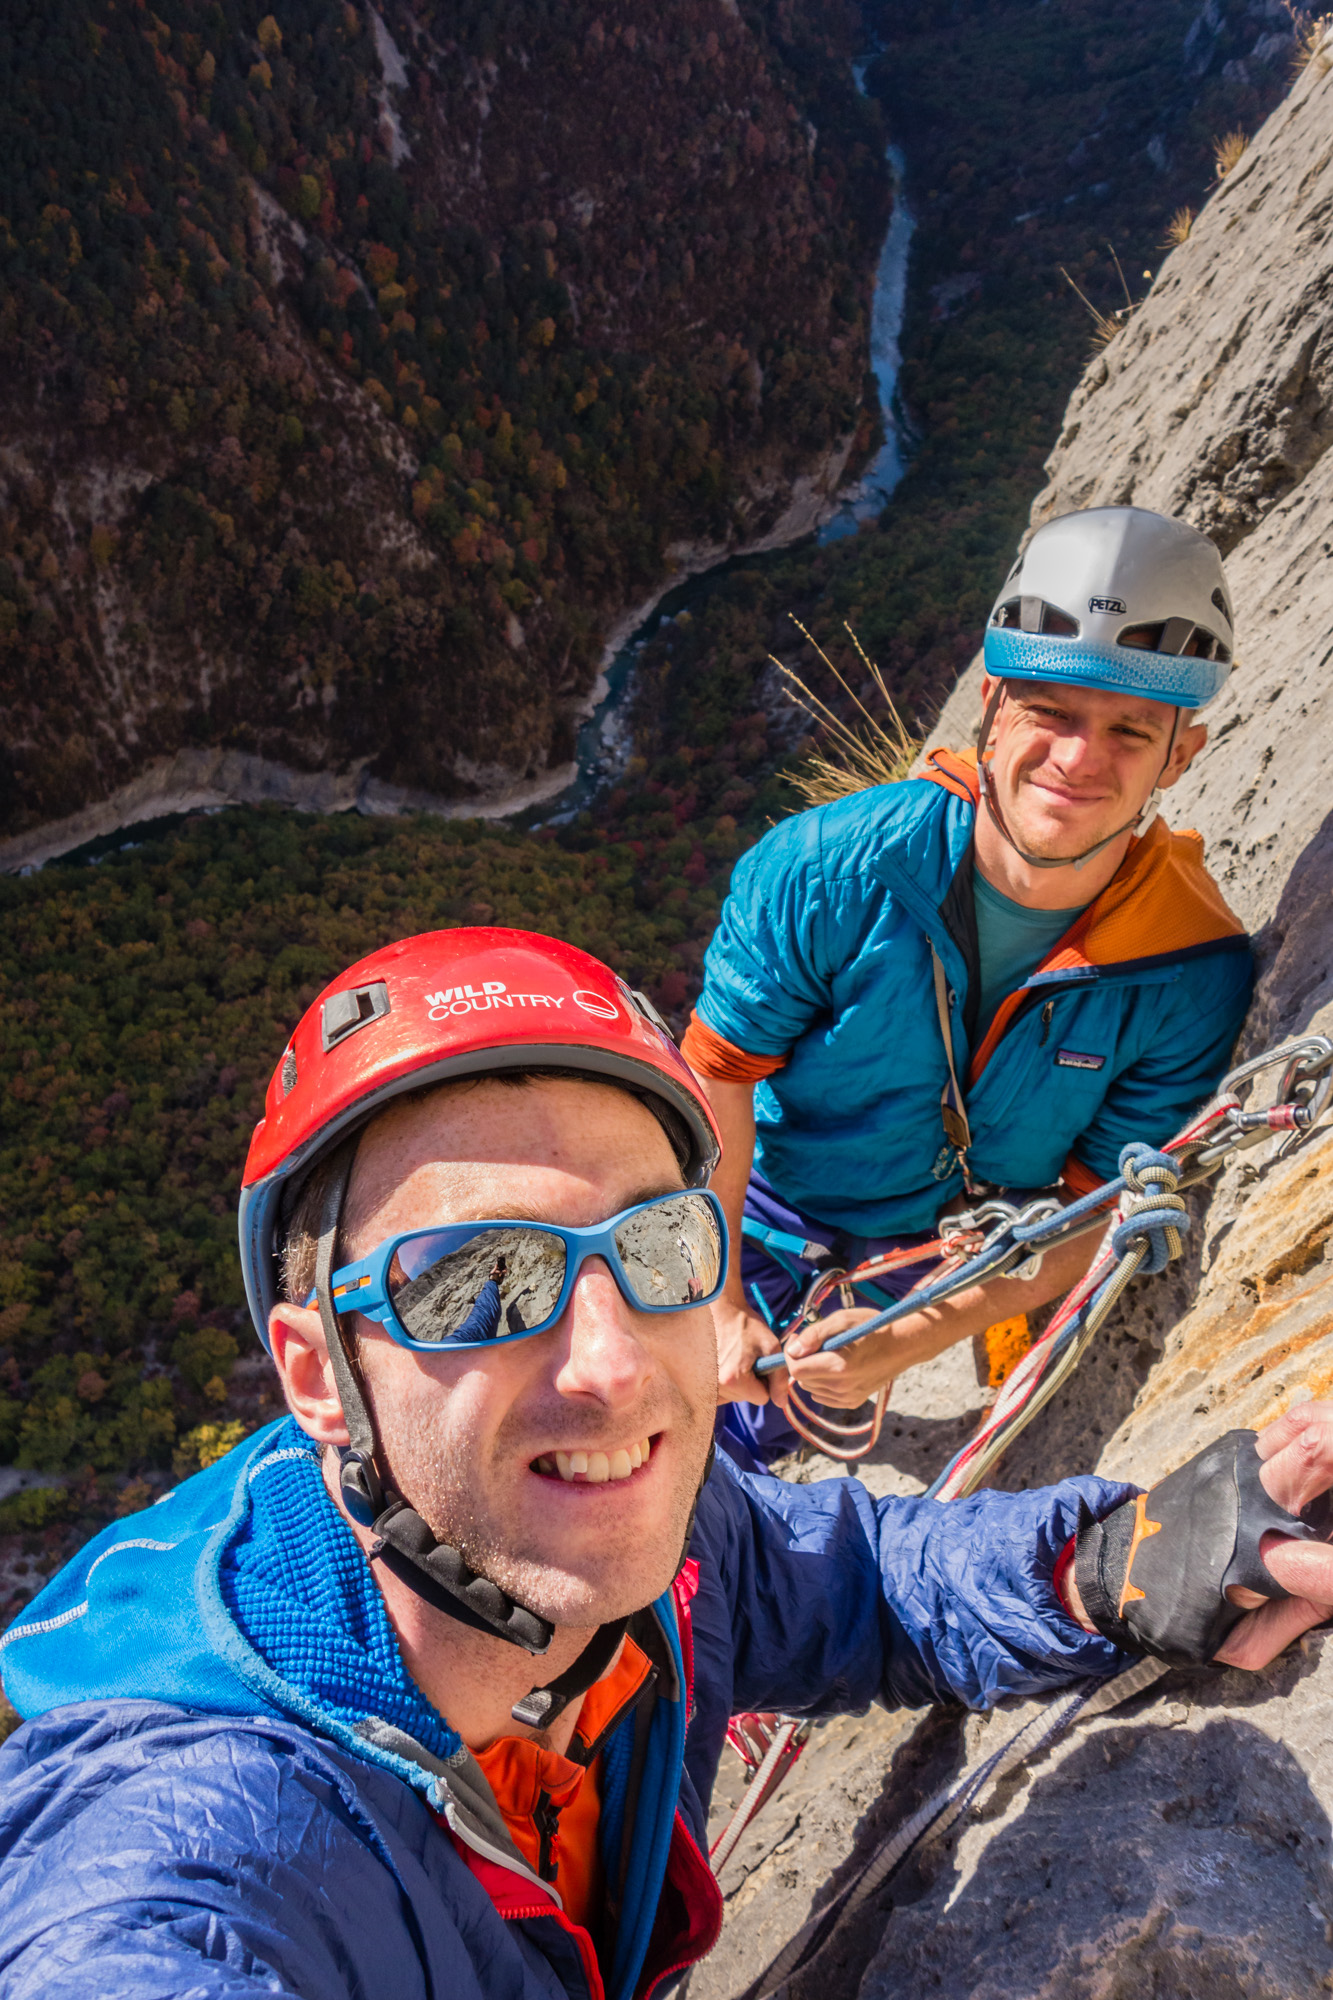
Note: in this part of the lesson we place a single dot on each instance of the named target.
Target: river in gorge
(604, 738)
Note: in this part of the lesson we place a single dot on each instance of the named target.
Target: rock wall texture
(1179, 1846)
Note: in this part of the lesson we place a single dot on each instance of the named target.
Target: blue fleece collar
(300, 1618)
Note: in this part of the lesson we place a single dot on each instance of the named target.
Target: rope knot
(1155, 1223)
(1145, 1169)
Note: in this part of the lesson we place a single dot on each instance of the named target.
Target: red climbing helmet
(427, 1010)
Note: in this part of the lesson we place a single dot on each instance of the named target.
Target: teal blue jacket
(822, 960)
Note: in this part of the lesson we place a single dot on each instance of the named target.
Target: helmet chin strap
(433, 1570)
(1140, 823)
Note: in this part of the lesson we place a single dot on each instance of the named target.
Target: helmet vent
(1032, 614)
(289, 1072)
(650, 1013)
(343, 1013)
(1221, 603)
(1176, 636)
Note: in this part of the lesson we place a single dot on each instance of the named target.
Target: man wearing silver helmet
(994, 975)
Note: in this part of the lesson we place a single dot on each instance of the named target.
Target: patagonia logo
(1116, 604)
(1076, 1059)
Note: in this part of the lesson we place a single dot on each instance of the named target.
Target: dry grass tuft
(1105, 325)
(1311, 35)
(1227, 152)
(1179, 227)
(850, 760)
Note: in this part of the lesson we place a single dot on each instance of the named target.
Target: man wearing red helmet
(422, 1690)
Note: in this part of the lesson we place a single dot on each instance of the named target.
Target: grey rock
(1179, 1847)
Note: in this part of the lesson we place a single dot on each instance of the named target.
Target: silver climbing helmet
(1116, 598)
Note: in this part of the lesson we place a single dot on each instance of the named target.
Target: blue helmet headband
(1120, 599)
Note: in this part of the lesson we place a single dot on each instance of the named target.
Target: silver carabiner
(1303, 1059)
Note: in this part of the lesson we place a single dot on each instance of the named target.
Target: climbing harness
(1145, 1231)
(1143, 1234)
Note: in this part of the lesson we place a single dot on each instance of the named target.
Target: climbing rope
(849, 1442)
(948, 1805)
(1145, 1233)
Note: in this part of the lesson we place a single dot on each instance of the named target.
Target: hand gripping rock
(1154, 1574)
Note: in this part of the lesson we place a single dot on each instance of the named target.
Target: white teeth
(597, 1468)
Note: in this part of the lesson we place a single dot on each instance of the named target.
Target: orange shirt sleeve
(1080, 1180)
(712, 1055)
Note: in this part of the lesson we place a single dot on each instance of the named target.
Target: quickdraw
(768, 1745)
(1145, 1232)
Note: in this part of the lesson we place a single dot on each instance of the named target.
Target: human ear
(301, 1358)
(1189, 742)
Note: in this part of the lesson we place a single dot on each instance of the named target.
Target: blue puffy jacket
(822, 958)
(230, 1787)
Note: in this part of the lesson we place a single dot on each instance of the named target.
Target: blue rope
(1136, 1159)
(1151, 1230)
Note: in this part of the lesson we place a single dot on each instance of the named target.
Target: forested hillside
(360, 366)
(142, 1001)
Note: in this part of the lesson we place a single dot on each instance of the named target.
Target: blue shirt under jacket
(229, 1785)
(822, 957)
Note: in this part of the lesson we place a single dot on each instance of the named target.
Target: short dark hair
(300, 1233)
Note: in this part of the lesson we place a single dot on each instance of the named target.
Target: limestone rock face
(1180, 1846)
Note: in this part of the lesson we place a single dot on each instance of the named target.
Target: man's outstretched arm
(819, 1598)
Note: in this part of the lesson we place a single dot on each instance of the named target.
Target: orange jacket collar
(1161, 902)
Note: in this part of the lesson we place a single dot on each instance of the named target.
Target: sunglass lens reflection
(466, 1284)
(672, 1251)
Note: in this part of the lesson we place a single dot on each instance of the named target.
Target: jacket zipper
(1046, 1014)
(546, 1819)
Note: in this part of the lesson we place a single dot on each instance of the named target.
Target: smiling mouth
(1065, 794)
(594, 1468)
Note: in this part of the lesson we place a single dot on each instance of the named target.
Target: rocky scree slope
(362, 364)
(1181, 1846)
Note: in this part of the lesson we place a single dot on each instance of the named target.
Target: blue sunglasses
(472, 1284)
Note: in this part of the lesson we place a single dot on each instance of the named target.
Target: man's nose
(603, 1355)
(1077, 753)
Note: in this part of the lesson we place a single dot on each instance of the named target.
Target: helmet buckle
(359, 1486)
